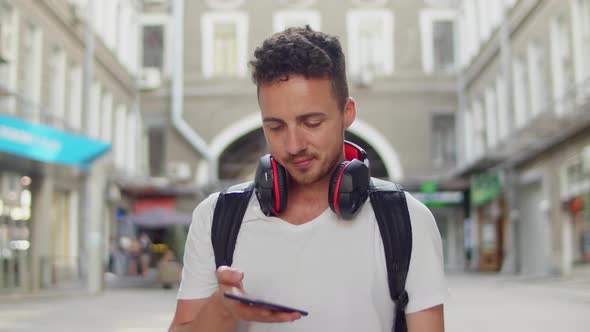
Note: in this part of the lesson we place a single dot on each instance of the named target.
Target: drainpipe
(177, 101)
(510, 259)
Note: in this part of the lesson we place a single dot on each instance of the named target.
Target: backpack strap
(227, 218)
(391, 211)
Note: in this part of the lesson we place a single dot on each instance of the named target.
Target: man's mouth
(302, 162)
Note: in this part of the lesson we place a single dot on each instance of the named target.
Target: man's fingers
(230, 280)
(248, 313)
(228, 275)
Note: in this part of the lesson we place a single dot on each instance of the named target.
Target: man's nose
(295, 142)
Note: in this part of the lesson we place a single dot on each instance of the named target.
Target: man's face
(304, 126)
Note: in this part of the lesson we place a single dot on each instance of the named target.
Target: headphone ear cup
(334, 187)
(280, 192)
(349, 188)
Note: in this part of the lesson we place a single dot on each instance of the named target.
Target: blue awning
(47, 144)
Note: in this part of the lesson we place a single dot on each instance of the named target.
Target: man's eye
(313, 124)
(275, 127)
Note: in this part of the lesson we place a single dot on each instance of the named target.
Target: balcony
(546, 130)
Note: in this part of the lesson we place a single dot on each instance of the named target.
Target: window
(57, 77)
(483, 20)
(127, 37)
(562, 66)
(491, 117)
(496, 8)
(132, 138)
(521, 90)
(156, 143)
(8, 55)
(581, 35)
(74, 115)
(153, 46)
(479, 126)
(224, 44)
(468, 134)
(7, 26)
(370, 47)
(155, 38)
(471, 27)
(299, 18)
(438, 40)
(443, 140)
(537, 78)
(30, 87)
(111, 11)
(107, 118)
(122, 35)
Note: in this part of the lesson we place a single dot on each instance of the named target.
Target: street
(495, 303)
(475, 303)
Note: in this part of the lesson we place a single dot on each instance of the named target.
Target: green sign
(431, 197)
(439, 198)
(429, 187)
(485, 188)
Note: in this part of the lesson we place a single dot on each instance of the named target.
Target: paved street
(491, 303)
(120, 310)
(476, 303)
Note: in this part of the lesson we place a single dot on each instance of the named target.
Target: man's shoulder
(240, 187)
(419, 213)
(211, 200)
(210, 203)
(384, 185)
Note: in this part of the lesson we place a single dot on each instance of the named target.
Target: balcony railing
(17, 105)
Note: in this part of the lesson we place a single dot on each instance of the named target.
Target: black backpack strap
(391, 211)
(227, 218)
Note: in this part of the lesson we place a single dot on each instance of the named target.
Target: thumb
(229, 275)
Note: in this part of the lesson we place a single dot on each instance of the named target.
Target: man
(305, 256)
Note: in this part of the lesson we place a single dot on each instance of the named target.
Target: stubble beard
(312, 176)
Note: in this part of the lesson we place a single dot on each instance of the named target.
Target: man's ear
(349, 112)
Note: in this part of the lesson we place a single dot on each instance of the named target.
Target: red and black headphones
(349, 185)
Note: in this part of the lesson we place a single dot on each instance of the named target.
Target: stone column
(41, 233)
(93, 219)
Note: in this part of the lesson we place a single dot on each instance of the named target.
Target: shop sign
(48, 145)
(147, 203)
(484, 188)
(440, 198)
(431, 197)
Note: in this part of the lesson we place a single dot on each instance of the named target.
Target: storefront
(488, 222)
(448, 208)
(15, 216)
(575, 193)
(155, 216)
(41, 171)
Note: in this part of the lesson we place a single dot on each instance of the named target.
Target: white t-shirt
(333, 268)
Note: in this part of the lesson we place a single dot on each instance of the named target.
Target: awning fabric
(46, 144)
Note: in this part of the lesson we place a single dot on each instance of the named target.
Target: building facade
(525, 133)
(70, 130)
(201, 111)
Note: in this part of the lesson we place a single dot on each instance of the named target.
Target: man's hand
(230, 280)
(218, 313)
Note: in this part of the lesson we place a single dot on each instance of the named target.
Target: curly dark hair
(301, 51)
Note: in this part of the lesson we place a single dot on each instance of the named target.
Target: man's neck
(316, 192)
(306, 202)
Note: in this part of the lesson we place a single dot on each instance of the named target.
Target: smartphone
(263, 304)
